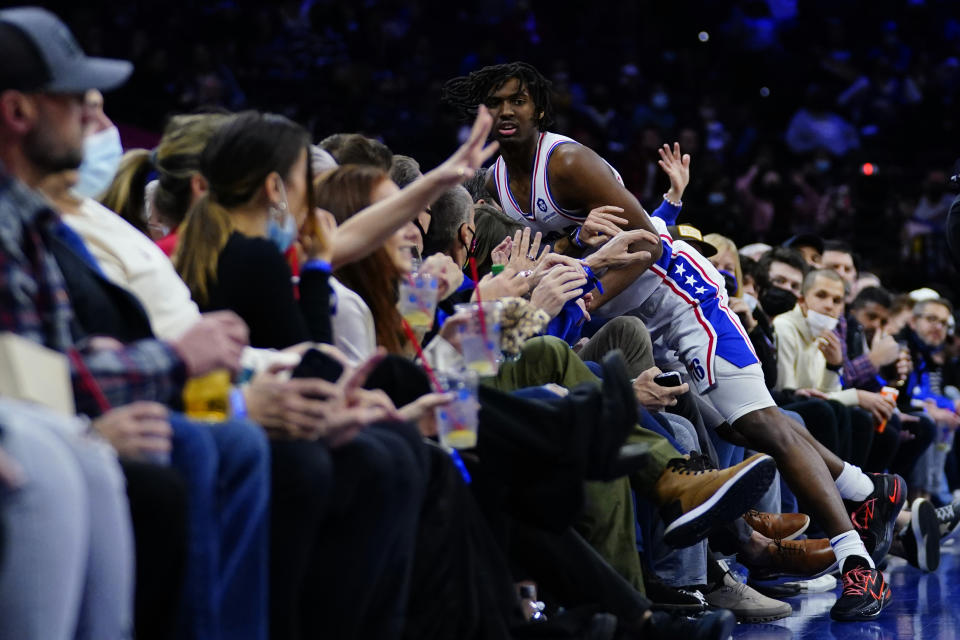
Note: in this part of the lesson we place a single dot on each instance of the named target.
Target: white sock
(854, 484)
(849, 544)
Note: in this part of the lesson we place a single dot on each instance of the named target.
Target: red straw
(476, 280)
(412, 337)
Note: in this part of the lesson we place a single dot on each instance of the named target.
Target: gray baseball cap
(40, 54)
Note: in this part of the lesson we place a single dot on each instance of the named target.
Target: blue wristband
(317, 265)
(592, 278)
(238, 404)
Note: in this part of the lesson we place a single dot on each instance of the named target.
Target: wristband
(238, 403)
(575, 238)
(317, 264)
(678, 203)
(591, 278)
(497, 269)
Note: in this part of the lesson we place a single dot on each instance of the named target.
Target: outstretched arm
(366, 231)
(584, 182)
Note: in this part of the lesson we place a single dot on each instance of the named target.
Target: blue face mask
(101, 158)
(282, 227)
(284, 233)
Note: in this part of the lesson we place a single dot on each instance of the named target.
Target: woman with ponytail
(230, 251)
(158, 210)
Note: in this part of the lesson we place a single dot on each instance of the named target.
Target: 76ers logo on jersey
(541, 204)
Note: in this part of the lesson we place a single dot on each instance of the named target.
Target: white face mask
(102, 152)
(751, 302)
(819, 322)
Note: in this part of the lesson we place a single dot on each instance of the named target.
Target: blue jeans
(227, 470)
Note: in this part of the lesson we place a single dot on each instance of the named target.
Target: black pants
(357, 581)
(924, 433)
(821, 421)
(158, 509)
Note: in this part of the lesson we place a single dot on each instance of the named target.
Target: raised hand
(677, 168)
(525, 253)
(601, 224)
(472, 154)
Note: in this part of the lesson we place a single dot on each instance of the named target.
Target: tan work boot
(694, 498)
(777, 526)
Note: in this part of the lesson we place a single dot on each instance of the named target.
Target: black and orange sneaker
(865, 593)
(875, 518)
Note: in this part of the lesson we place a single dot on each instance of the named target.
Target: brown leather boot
(694, 498)
(802, 558)
(777, 526)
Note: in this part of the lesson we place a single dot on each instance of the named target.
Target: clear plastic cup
(457, 421)
(418, 301)
(480, 341)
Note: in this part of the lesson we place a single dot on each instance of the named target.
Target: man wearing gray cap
(66, 550)
(53, 292)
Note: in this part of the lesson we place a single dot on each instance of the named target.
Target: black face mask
(776, 301)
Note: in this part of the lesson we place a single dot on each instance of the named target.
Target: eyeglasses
(943, 322)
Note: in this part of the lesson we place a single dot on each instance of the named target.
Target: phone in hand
(317, 364)
(669, 379)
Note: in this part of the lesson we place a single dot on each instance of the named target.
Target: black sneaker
(663, 597)
(875, 518)
(865, 593)
(713, 625)
(949, 518)
(920, 542)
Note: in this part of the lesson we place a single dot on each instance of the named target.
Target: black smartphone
(317, 364)
(669, 379)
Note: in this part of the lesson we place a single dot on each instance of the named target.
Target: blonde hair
(723, 243)
(175, 160)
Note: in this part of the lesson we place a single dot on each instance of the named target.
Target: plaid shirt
(34, 303)
(858, 373)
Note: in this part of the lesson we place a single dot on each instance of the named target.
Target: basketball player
(552, 184)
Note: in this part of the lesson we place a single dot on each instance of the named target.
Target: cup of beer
(418, 301)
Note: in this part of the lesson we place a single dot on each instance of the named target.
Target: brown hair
(343, 192)
(175, 160)
(236, 163)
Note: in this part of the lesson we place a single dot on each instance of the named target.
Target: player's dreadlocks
(466, 93)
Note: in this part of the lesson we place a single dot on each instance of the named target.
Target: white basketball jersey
(542, 212)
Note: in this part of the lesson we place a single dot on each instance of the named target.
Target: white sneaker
(816, 585)
(745, 602)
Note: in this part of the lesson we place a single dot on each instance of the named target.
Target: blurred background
(838, 117)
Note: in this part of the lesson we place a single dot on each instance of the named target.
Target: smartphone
(669, 379)
(317, 364)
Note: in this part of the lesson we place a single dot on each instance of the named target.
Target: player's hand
(601, 225)
(677, 168)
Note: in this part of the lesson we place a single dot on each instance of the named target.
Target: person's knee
(242, 443)
(302, 471)
(383, 469)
